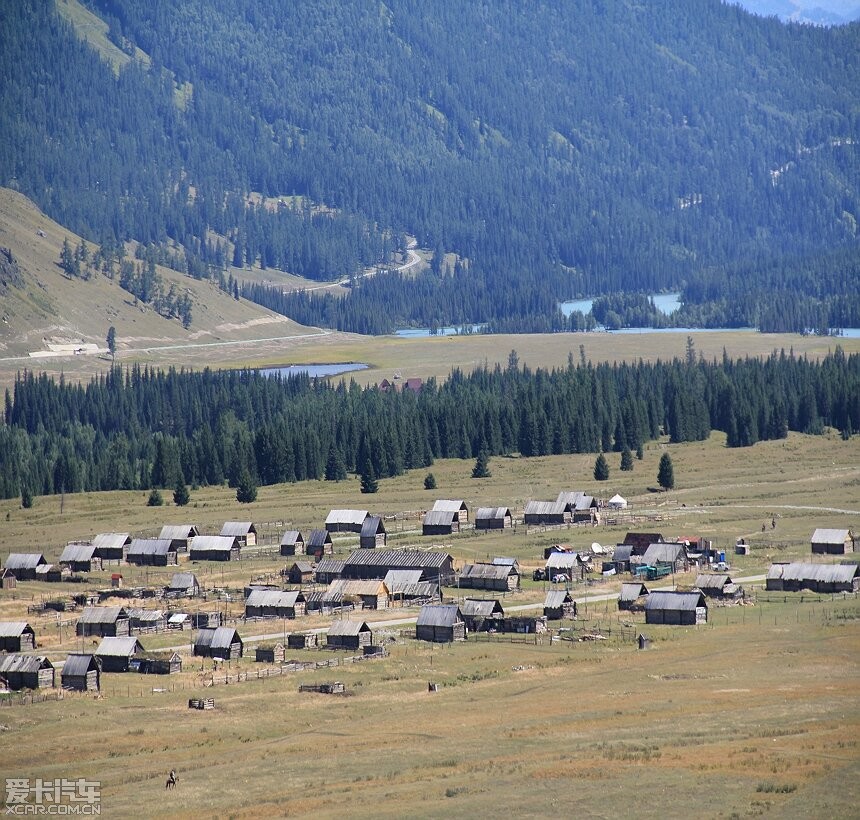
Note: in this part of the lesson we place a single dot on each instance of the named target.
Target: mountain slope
(563, 150)
(47, 307)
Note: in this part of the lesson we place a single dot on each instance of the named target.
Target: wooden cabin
(146, 620)
(482, 614)
(7, 579)
(434, 566)
(22, 565)
(493, 518)
(373, 533)
(319, 544)
(80, 558)
(632, 597)
(718, 586)
(500, 578)
(292, 543)
(151, 552)
(179, 535)
(558, 605)
(223, 642)
(406, 586)
(81, 672)
(672, 555)
(111, 546)
(547, 513)
(349, 635)
(345, 520)
(26, 672)
(116, 654)
(179, 620)
(207, 620)
(328, 570)
(270, 603)
(825, 578)
(160, 663)
(640, 541)
(440, 623)
(370, 594)
(17, 636)
(621, 557)
(272, 653)
(214, 548)
(676, 608)
(103, 622)
(243, 532)
(302, 640)
(300, 572)
(440, 522)
(183, 585)
(562, 564)
(456, 506)
(584, 509)
(832, 542)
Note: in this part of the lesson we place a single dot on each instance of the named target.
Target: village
(249, 601)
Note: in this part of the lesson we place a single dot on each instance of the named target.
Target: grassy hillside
(52, 308)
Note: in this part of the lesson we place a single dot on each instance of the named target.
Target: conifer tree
(181, 495)
(482, 464)
(601, 468)
(666, 472)
(246, 491)
(335, 469)
(429, 482)
(626, 460)
(369, 484)
(155, 499)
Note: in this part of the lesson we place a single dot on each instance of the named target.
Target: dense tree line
(564, 150)
(141, 428)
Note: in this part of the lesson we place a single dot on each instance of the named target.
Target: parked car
(561, 578)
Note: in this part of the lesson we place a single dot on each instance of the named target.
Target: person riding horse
(171, 779)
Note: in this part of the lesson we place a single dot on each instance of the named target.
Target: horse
(171, 780)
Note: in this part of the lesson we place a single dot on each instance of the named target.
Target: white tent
(617, 502)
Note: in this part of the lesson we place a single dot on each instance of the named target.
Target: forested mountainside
(139, 428)
(562, 150)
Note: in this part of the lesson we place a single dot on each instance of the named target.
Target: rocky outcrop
(10, 272)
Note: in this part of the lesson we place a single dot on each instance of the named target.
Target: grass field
(756, 713)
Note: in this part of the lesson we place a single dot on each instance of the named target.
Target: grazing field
(756, 713)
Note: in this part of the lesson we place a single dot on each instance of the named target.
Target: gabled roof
(183, 580)
(450, 504)
(111, 540)
(274, 597)
(642, 539)
(398, 580)
(372, 526)
(119, 647)
(490, 572)
(236, 529)
(176, 532)
(346, 517)
(222, 637)
(505, 561)
(630, 592)
(102, 614)
(569, 497)
(398, 559)
(481, 608)
(708, 581)
(686, 601)
(826, 573)
(24, 560)
(79, 664)
(439, 615)
(213, 543)
(23, 664)
(556, 598)
(356, 588)
(14, 629)
(545, 508)
(490, 513)
(179, 618)
(665, 553)
(622, 552)
(291, 537)
(146, 615)
(77, 552)
(150, 546)
(302, 566)
(318, 538)
(439, 518)
(329, 565)
(562, 560)
(348, 628)
(830, 536)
